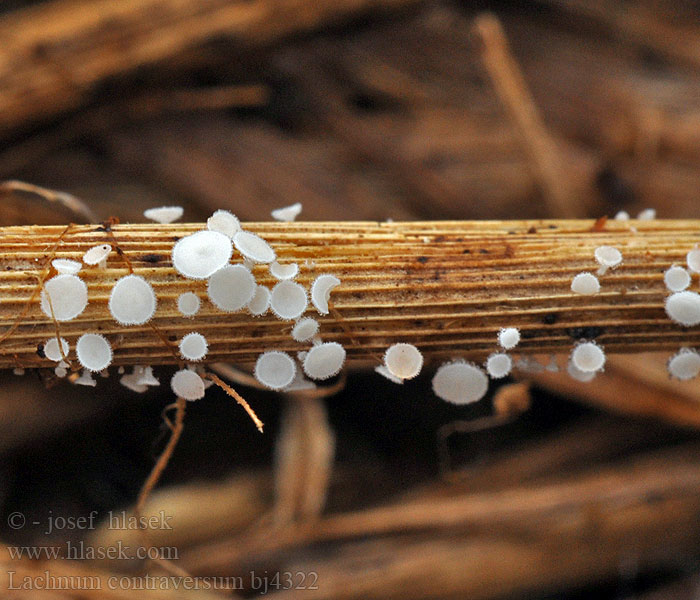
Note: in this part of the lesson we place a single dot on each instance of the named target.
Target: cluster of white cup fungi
(683, 307)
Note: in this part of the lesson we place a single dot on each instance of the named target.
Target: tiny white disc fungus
(201, 254)
(188, 304)
(164, 214)
(321, 291)
(324, 360)
(275, 370)
(260, 302)
(281, 272)
(693, 259)
(67, 266)
(676, 279)
(52, 351)
(648, 214)
(68, 294)
(224, 222)
(231, 288)
(403, 360)
(460, 382)
(300, 383)
(130, 381)
(60, 371)
(193, 346)
(684, 308)
(132, 301)
(384, 372)
(608, 257)
(586, 284)
(579, 375)
(253, 247)
(144, 376)
(288, 300)
(622, 215)
(588, 357)
(18, 371)
(685, 364)
(94, 352)
(509, 337)
(499, 365)
(97, 255)
(288, 213)
(86, 379)
(305, 329)
(188, 385)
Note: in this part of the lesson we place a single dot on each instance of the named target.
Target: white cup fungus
(253, 247)
(324, 360)
(460, 382)
(94, 351)
(288, 300)
(403, 360)
(321, 291)
(275, 370)
(132, 301)
(201, 254)
(68, 294)
(188, 385)
(231, 288)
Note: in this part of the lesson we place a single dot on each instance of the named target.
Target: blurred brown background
(367, 110)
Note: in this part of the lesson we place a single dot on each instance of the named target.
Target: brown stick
(445, 286)
(513, 91)
(54, 55)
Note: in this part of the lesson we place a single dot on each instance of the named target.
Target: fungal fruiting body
(622, 215)
(93, 351)
(585, 284)
(384, 372)
(684, 308)
(85, 379)
(648, 214)
(260, 302)
(280, 272)
(253, 247)
(588, 357)
(321, 291)
(164, 214)
(499, 365)
(231, 288)
(188, 304)
(224, 222)
(188, 385)
(305, 329)
(97, 255)
(201, 254)
(53, 352)
(288, 300)
(509, 337)
(578, 374)
(676, 279)
(66, 266)
(460, 382)
(693, 260)
(193, 346)
(685, 364)
(608, 257)
(275, 370)
(324, 360)
(288, 213)
(68, 297)
(132, 301)
(403, 361)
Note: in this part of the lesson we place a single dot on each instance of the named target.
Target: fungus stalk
(446, 287)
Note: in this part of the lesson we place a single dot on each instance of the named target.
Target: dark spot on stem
(152, 258)
(550, 318)
(422, 259)
(588, 333)
(40, 351)
(532, 229)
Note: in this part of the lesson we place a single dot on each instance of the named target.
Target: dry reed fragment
(446, 287)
